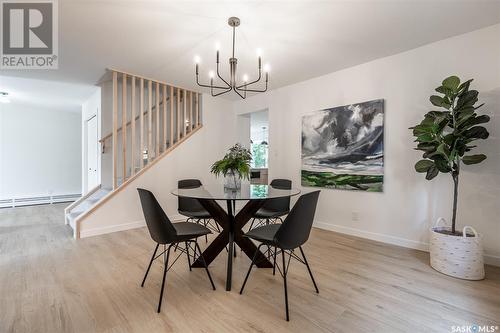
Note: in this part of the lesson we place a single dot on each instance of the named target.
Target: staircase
(147, 120)
(82, 205)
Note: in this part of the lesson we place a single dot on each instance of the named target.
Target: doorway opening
(259, 146)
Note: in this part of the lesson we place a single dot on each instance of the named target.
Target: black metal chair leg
(149, 266)
(309, 269)
(205, 264)
(206, 237)
(274, 262)
(250, 269)
(187, 253)
(163, 281)
(284, 283)
(251, 224)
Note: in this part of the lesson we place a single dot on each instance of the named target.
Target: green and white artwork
(343, 147)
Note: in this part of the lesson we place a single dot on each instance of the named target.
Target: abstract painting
(343, 147)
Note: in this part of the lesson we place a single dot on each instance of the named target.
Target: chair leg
(250, 269)
(187, 253)
(163, 280)
(309, 269)
(284, 283)
(205, 264)
(205, 224)
(251, 224)
(274, 262)
(149, 266)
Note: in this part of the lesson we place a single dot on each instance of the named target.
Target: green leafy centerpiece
(234, 166)
(446, 138)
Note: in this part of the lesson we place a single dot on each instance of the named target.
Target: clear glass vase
(232, 181)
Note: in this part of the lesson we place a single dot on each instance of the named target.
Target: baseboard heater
(41, 200)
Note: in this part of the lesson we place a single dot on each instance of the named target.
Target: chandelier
(240, 88)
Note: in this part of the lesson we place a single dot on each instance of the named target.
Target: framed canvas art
(343, 147)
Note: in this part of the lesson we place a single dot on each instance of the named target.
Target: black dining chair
(287, 237)
(164, 232)
(192, 208)
(273, 209)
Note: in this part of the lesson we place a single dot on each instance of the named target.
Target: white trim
(122, 226)
(388, 239)
(111, 228)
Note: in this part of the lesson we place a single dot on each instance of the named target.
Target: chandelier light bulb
(267, 68)
(197, 59)
(225, 85)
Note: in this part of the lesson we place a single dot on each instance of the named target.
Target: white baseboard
(388, 239)
(122, 226)
(111, 228)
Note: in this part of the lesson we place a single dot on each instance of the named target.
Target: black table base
(232, 233)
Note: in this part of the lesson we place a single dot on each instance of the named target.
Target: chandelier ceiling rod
(241, 89)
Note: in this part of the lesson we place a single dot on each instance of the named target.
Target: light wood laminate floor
(52, 283)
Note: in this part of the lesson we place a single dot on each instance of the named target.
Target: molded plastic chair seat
(196, 214)
(285, 238)
(264, 234)
(188, 230)
(266, 213)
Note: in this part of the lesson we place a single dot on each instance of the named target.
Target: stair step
(85, 205)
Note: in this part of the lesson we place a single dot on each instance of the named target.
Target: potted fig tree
(446, 138)
(234, 166)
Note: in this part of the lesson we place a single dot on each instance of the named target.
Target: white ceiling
(56, 96)
(300, 39)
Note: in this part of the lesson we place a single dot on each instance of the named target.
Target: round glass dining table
(230, 221)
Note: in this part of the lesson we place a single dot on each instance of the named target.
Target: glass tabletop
(247, 192)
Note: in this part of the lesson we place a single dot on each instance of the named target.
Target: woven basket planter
(457, 256)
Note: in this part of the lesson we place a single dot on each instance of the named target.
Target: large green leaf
(423, 165)
(442, 164)
(439, 101)
(468, 98)
(432, 172)
(444, 90)
(425, 138)
(474, 121)
(473, 159)
(476, 132)
(443, 150)
(465, 85)
(427, 146)
(451, 82)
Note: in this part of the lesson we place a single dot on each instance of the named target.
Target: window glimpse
(259, 155)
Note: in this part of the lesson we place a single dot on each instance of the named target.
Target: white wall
(192, 159)
(409, 204)
(40, 151)
(90, 108)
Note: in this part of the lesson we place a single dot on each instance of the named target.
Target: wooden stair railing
(171, 114)
(162, 115)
